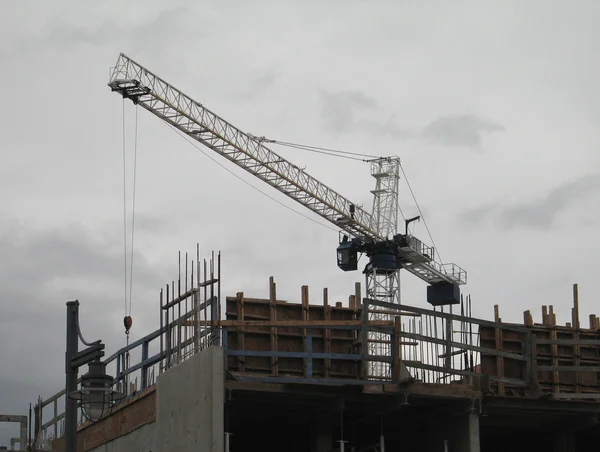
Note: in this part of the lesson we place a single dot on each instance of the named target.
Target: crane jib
(239, 148)
(365, 230)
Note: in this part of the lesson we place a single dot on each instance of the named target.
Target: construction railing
(443, 347)
(135, 366)
(274, 341)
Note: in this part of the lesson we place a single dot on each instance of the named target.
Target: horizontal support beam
(444, 315)
(569, 368)
(568, 341)
(180, 298)
(573, 396)
(12, 418)
(317, 324)
(304, 380)
(306, 355)
(53, 421)
(156, 358)
(155, 334)
(462, 346)
(466, 373)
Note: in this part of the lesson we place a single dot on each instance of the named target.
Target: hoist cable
(133, 209)
(310, 149)
(421, 213)
(182, 135)
(124, 209)
(318, 148)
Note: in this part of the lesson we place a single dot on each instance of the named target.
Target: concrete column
(472, 433)
(461, 432)
(190, 400)
(323, 438)
(563, 442)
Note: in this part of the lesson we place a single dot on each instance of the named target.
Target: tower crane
(374, 234)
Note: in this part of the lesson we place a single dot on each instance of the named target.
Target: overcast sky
(492, 106)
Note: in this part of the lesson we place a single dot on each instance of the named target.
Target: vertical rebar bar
(161, 333)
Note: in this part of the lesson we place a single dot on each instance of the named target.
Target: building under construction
(275, 375)
(234, 373)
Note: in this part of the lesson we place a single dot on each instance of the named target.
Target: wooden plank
(554, 350)
(527, 318)
(580, 396)
(396, 351)
(274, 331)
(559, 368)
(327, 317)
(240, 331)
(292, 323)
(569, 341)
(575, 321)
(499, 347)
(305, 317)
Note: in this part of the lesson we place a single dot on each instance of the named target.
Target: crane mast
(374, 234)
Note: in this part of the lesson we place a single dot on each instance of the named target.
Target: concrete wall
(461, 432)
(129, 421)
(190, 404)
(142, 439)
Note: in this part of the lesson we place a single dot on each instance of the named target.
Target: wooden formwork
(292, 338)
(565, 359)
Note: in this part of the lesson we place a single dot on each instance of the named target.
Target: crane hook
(127, 322)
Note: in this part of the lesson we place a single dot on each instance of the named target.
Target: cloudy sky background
(492, 106)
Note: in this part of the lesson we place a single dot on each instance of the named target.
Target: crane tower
(374, 234)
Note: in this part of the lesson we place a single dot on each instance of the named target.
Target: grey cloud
(259, 84)
(339, 109)
(64, 34)
(387, 128)
(39, 271)
(460, 130)
(341, 112)
(540, 213)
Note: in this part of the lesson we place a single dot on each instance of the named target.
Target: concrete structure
(190, 404)
(22, 420)
(275, 375)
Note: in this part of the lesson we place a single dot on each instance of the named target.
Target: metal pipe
(71, 377)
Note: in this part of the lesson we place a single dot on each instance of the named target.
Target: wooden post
(240, 330)
(327, 333)
(553, 348)
(274, 330)
(576, 307)
(358, 305)
(396, 351)
(306, 318)
(499, 346)
(544, 315)
(527, 371)
(527, 318)
(576, 327)
(552, 316)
